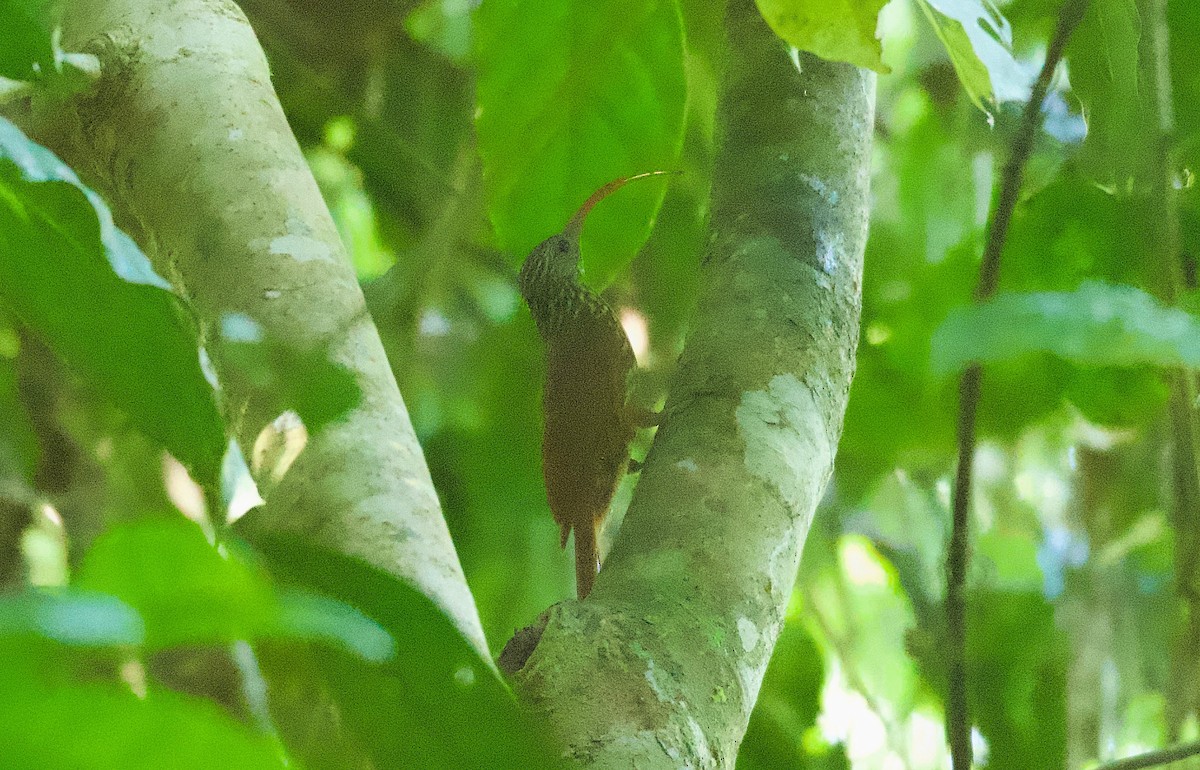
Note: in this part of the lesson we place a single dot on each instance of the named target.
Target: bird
(589, 423)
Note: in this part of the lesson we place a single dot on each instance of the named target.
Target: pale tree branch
(184, 136)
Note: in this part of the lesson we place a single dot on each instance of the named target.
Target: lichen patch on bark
(783, 435)
(748, 633)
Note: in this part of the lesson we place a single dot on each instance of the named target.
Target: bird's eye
(562, 247)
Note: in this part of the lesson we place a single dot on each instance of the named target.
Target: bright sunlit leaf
(837, 30)
(978, 40)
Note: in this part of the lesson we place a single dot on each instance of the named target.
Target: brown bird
(585, 447)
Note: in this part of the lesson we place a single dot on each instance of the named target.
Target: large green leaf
(185, 590)
(1105, 75)
(83, 285)
(1098, 324)
(838, 30)
(978, 40)
(188, 592)
(435, 704)
(25, 45)
(571, 94)
(104, 727)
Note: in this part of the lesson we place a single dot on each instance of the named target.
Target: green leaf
(82, 285)
(70, 617)
(570, 95)
(1104, 59)
(978, 40)
(25, 47)
(433, 704)
(183, 588)
(1098, 324)
(101, 727)
(188, 592)
(837, 30)
(307, 616)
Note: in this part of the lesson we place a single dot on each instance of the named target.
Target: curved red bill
(575, 226)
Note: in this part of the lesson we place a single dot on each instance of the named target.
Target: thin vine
(958, 718)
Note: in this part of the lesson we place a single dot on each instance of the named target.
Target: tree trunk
(661, 665)
(184, 136)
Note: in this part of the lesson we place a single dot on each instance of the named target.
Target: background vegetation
(444, 156)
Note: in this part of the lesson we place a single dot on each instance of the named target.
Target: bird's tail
(587, 558)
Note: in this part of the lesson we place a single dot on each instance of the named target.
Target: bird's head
(555, 261)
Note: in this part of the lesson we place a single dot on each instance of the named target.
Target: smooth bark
(184, 136)
(661, 665)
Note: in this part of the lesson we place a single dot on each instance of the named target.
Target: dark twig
(1153, 758)
(958, 720)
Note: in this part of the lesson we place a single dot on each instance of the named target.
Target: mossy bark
(661, 665)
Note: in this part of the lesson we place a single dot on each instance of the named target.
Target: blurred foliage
(1098, 324)
(386, 657)
(87, 288)
(1106, 77)
(448, 139)
(25, 47)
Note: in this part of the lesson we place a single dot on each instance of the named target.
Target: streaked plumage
(585, 446)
